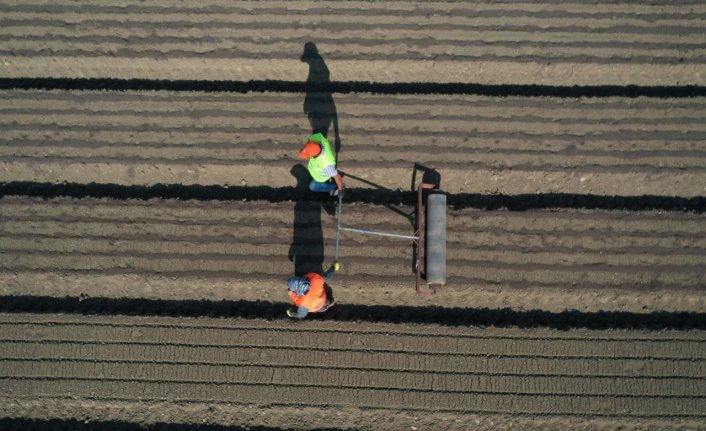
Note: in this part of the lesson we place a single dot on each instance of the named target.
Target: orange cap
(310, 149)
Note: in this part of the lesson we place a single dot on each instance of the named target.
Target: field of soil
(147, 228)
(349, 375)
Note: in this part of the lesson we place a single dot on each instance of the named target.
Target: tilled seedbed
(152, 207)
(425, 375)
(188, 250)
(479, 144)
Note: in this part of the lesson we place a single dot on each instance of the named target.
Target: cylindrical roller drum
(435, 239)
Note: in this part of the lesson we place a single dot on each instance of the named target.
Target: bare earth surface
(552, 260)
(428, 377)
(513, 145)
(545, 42)
(359, 372)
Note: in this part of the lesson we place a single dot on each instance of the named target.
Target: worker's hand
(335, 266)
(289, 312)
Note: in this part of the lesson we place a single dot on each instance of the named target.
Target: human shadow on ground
(307, 249)
(318, 101)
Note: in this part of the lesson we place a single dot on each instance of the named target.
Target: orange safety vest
(315, 298)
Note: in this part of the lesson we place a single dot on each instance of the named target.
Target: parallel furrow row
(199, 133)
(489, 271)
(655, 146)
(537, 248)
(100, 361)
(32, 323)
(216, 248)
(366, 380)
(229, 215)
(381, 399)
(356, 104)
(448, 343)
(362, 33)
(530, 366)
(361, 53)
(207, 239)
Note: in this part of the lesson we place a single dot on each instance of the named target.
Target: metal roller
(436, 239)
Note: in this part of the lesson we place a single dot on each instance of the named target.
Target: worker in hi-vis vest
(322, 165)
(308, 293)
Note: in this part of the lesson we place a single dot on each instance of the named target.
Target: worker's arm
(299, 313)
(328, 275)
(339, 181)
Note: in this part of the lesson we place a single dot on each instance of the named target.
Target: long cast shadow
(318, 101)
(446, 316)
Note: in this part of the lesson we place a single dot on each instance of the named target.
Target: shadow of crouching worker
(307, 249)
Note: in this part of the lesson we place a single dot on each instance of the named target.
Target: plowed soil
(552, 260)
(549, 42)
(513, 145)
(318, 374)
(166, 310)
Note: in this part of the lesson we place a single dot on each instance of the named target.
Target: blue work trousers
(327, 186)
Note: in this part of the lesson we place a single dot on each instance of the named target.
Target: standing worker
(308, 293)
(322, 165)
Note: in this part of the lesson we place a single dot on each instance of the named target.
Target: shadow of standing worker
(307, 249)
(318, 102)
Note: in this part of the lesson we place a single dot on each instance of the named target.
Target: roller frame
(417, 238)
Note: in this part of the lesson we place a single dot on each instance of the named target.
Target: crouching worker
(308, 293)
(322, 165)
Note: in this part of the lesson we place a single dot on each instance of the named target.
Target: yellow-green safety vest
(317, 164)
